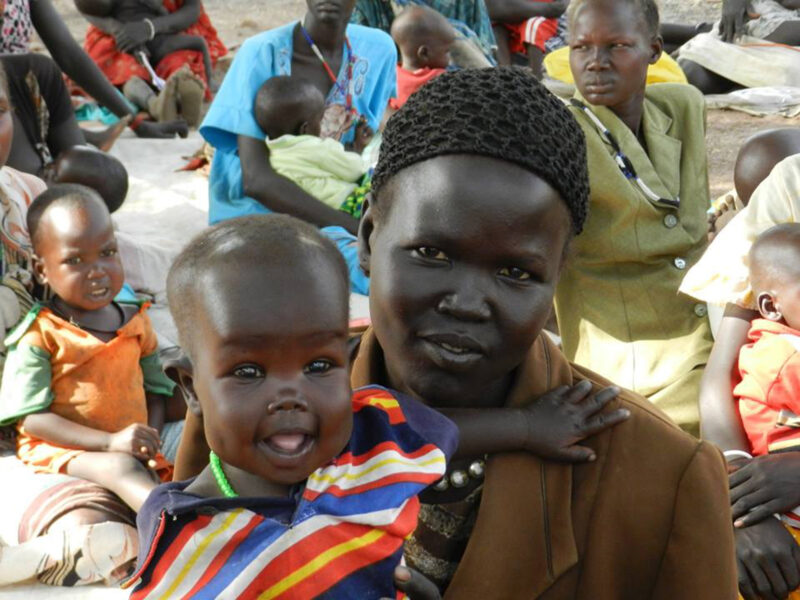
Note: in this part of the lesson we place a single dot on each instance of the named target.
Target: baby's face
(270, 368)
(76, 255)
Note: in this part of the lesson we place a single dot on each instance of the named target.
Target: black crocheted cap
(503, 113)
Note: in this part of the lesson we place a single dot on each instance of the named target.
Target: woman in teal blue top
(353, 66)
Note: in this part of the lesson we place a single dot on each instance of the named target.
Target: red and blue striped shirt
(338, 536)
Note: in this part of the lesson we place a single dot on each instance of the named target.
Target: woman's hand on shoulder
(764, 486)
(563, 417)
(767, 561)
(415, 585)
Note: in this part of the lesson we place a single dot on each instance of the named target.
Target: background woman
(22, 17)
(354, 68)
(112, 44)
(618, 308)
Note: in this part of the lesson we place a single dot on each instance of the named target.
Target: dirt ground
(237, 20)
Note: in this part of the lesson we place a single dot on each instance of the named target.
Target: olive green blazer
(618, 307)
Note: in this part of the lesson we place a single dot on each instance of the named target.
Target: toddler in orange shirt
(82, 369)
(769, 392)
(424, 38)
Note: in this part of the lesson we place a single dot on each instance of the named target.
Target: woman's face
(610, 50)
(330, 11)
(6, 126)
(464, 253)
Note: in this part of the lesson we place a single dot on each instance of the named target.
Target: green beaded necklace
(219, 475)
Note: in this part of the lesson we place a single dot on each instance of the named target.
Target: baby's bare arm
(95, 8)
(550, 427)
(165, 44)
(52, 428)
(156, 410)
(137, 440)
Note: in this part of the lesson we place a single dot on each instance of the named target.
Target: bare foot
(104, 140)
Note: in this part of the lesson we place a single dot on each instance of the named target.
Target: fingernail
(738, 523)
(592, 457)
(402, 574)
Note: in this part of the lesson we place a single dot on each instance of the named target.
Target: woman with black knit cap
(480, 186)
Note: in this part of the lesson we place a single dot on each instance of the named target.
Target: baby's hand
(564, 416)
(137, 440)
(363, 137)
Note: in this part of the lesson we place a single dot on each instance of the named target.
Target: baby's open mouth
(99, 292)
(289, 444)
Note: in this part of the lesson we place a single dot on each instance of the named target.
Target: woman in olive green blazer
(618, 307)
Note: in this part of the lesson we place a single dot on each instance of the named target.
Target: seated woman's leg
(78, 555)
(64, 531)
(677, 34)
(706, 81)
(786, 33)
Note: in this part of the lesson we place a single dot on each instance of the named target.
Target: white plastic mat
(751, 62)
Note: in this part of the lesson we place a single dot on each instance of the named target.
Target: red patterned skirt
(119, 66)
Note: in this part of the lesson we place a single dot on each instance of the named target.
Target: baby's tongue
(287, 442)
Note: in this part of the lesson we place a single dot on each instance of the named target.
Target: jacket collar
(660, 170)
(527, 502)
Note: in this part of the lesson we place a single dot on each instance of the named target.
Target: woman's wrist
(522, 428)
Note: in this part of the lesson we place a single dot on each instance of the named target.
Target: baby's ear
(178, 367)
(768, 306)
(365, 229)
(422, 54)
(39, 272)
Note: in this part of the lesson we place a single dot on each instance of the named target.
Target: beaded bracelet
(152, 29)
